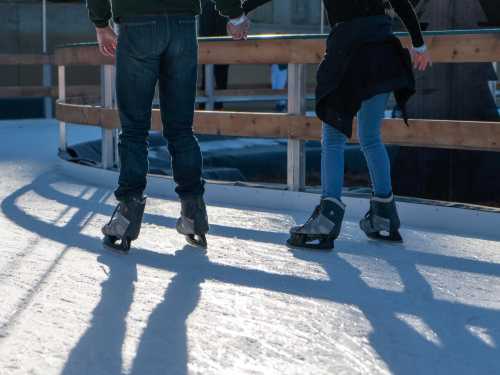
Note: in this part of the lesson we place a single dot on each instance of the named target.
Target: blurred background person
(279, 80)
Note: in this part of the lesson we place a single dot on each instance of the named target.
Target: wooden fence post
(61, 72)
(108, 136)
(296, 167)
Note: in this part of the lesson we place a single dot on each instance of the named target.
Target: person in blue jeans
(364, 63)
(157, 43)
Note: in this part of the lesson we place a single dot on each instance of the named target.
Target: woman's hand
(238, 28)
(107, 40)
(421, 59)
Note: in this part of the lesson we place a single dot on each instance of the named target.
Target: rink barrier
(46, 89)
(463, 135)
(296, 51)
(457, 45)
(454, 46)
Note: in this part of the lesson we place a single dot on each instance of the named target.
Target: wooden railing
(46, 90)
(296, 51)
(88, 93)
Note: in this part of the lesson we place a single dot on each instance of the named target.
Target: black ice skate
(322, 228)
(382, 221)
(193, 222)
(124, 225)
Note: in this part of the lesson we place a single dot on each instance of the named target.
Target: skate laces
(369, 216)
(314, 215)
(114, 212)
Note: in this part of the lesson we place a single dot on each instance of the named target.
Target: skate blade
(116, 246)
(394, 237)
(320, 245)
(197, 240)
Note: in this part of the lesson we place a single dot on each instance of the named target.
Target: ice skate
(322, 228)
(124, 225)
(382, 220)
(193, 222)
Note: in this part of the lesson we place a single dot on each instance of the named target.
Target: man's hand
(238, 28)
(107, 40)
(421, 59)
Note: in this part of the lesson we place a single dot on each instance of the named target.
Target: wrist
(101, 24)
(100, 29)
(238, 21)
(421, 49)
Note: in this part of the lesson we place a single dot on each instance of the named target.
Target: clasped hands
(238, 28)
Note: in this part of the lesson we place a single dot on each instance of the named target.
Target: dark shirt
(347, 10)
(100, 11)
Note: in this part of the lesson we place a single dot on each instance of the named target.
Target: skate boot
(382, 221)
(322, 228)
(193, 222)
(124, 225)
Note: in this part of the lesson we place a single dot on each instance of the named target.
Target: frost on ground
(248, 305)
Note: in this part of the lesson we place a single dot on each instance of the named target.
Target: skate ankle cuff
(134, 198)
(336, 201)
(388, 199)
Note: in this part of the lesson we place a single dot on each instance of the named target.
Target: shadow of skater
(403, 349)
(99, 351)
(163, 347)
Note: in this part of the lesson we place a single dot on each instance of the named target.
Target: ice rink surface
(248, 305)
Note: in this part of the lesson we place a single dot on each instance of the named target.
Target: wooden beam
(271, 51)
(81, 55)
(462, 48)
(465, 135)
(248, 92)
(269, 125)
(87, 115)
(462, 135)
(79, 91)
(83, 91)
(444, 48)
(24, 91)
(25, 59)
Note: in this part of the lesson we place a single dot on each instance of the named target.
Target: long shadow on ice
(44, 187)
(162, 345)
(164, 341)
(99, 350)
(412, 332)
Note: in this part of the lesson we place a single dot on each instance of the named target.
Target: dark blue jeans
(157, 49)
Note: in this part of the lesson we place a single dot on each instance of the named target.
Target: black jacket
(211, 22)
(363, 59)
(100, 11)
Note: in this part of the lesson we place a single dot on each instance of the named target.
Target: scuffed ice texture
(248, 305)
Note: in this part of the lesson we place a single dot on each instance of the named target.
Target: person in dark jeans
(213, 24)
(157, 43)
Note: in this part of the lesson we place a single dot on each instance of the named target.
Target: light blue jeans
(370, 119)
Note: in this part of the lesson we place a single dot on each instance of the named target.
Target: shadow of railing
(163, 345)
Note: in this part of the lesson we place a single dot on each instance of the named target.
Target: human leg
(382, 220)
(370, 119)
(137, 67)
(324, 225)
(178, 73)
